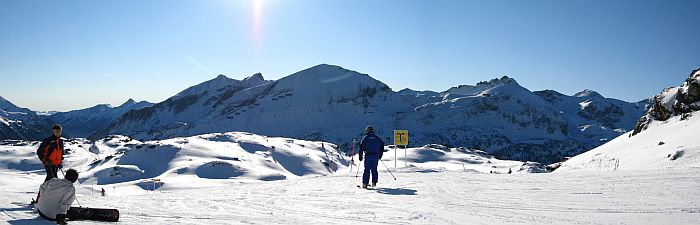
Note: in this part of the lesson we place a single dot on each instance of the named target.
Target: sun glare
(257, 20)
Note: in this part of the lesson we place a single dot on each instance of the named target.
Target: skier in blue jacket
(373, 147)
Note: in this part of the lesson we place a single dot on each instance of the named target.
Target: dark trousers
(370, 168)
(51, 172)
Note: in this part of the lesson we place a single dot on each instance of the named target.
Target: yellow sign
(400, 137)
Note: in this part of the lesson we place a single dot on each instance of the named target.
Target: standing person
(373, 147)
(56, 196)
(50, 153)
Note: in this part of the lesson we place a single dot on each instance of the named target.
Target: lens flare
(257, 21)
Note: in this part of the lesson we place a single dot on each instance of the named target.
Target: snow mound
(209, 159)
(222, 158)
(441, 158)
(219, 170)
(671, 144)
(118, 174)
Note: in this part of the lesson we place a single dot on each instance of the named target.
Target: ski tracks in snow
(438, 197)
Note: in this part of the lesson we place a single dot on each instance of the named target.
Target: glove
(61, 219)
(360, 157)
(60, 166)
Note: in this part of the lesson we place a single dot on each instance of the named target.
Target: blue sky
(63, 55)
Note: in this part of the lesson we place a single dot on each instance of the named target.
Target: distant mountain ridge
(21, 123)
(664, 138)
(333, 104)
(84, 122)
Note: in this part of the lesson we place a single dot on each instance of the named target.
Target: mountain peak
(325, 73)
(326, 66)
(219, 82)
(128, 103)
(505, 80)
(325, 69)
(254, 80)
(588, 93)
(257, 77)
(325, 80)
(408, 91)
(6, 104)
(483, 86)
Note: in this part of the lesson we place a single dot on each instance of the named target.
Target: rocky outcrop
(676, 101)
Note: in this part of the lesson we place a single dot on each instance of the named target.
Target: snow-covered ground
(418, 196)
(671, 144)
(239, 178)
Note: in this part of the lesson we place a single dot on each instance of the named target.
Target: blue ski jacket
(372, 146)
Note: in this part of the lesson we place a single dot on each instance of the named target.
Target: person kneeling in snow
(56, 196)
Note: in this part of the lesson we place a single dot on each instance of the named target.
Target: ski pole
(387, 168)
(358, 170)
(352, 156)
(76, 197)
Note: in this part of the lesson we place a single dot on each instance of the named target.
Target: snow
(334, 104)
(416, 197)
(238, 178)
(45, 113)
(589, 94)
(83, 122)
(20, 123)
(645, 151)
(5, 121)
(482, 87)
(668, 97)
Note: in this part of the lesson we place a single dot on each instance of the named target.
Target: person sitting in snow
(373, 147)
(56, 196)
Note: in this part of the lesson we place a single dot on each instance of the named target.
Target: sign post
(400, 138)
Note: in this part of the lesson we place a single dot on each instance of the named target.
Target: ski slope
(664, 145)
(222, 178)
(418, 196)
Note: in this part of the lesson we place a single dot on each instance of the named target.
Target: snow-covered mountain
(84, 122)
(177, 115)
(664, 138)
(202, 179)
(592, 116)
(334, 104)
(21, 124)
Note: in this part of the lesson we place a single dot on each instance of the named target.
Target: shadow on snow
(397, 191)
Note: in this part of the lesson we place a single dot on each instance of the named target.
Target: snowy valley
(181, 174)
(243, 178)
